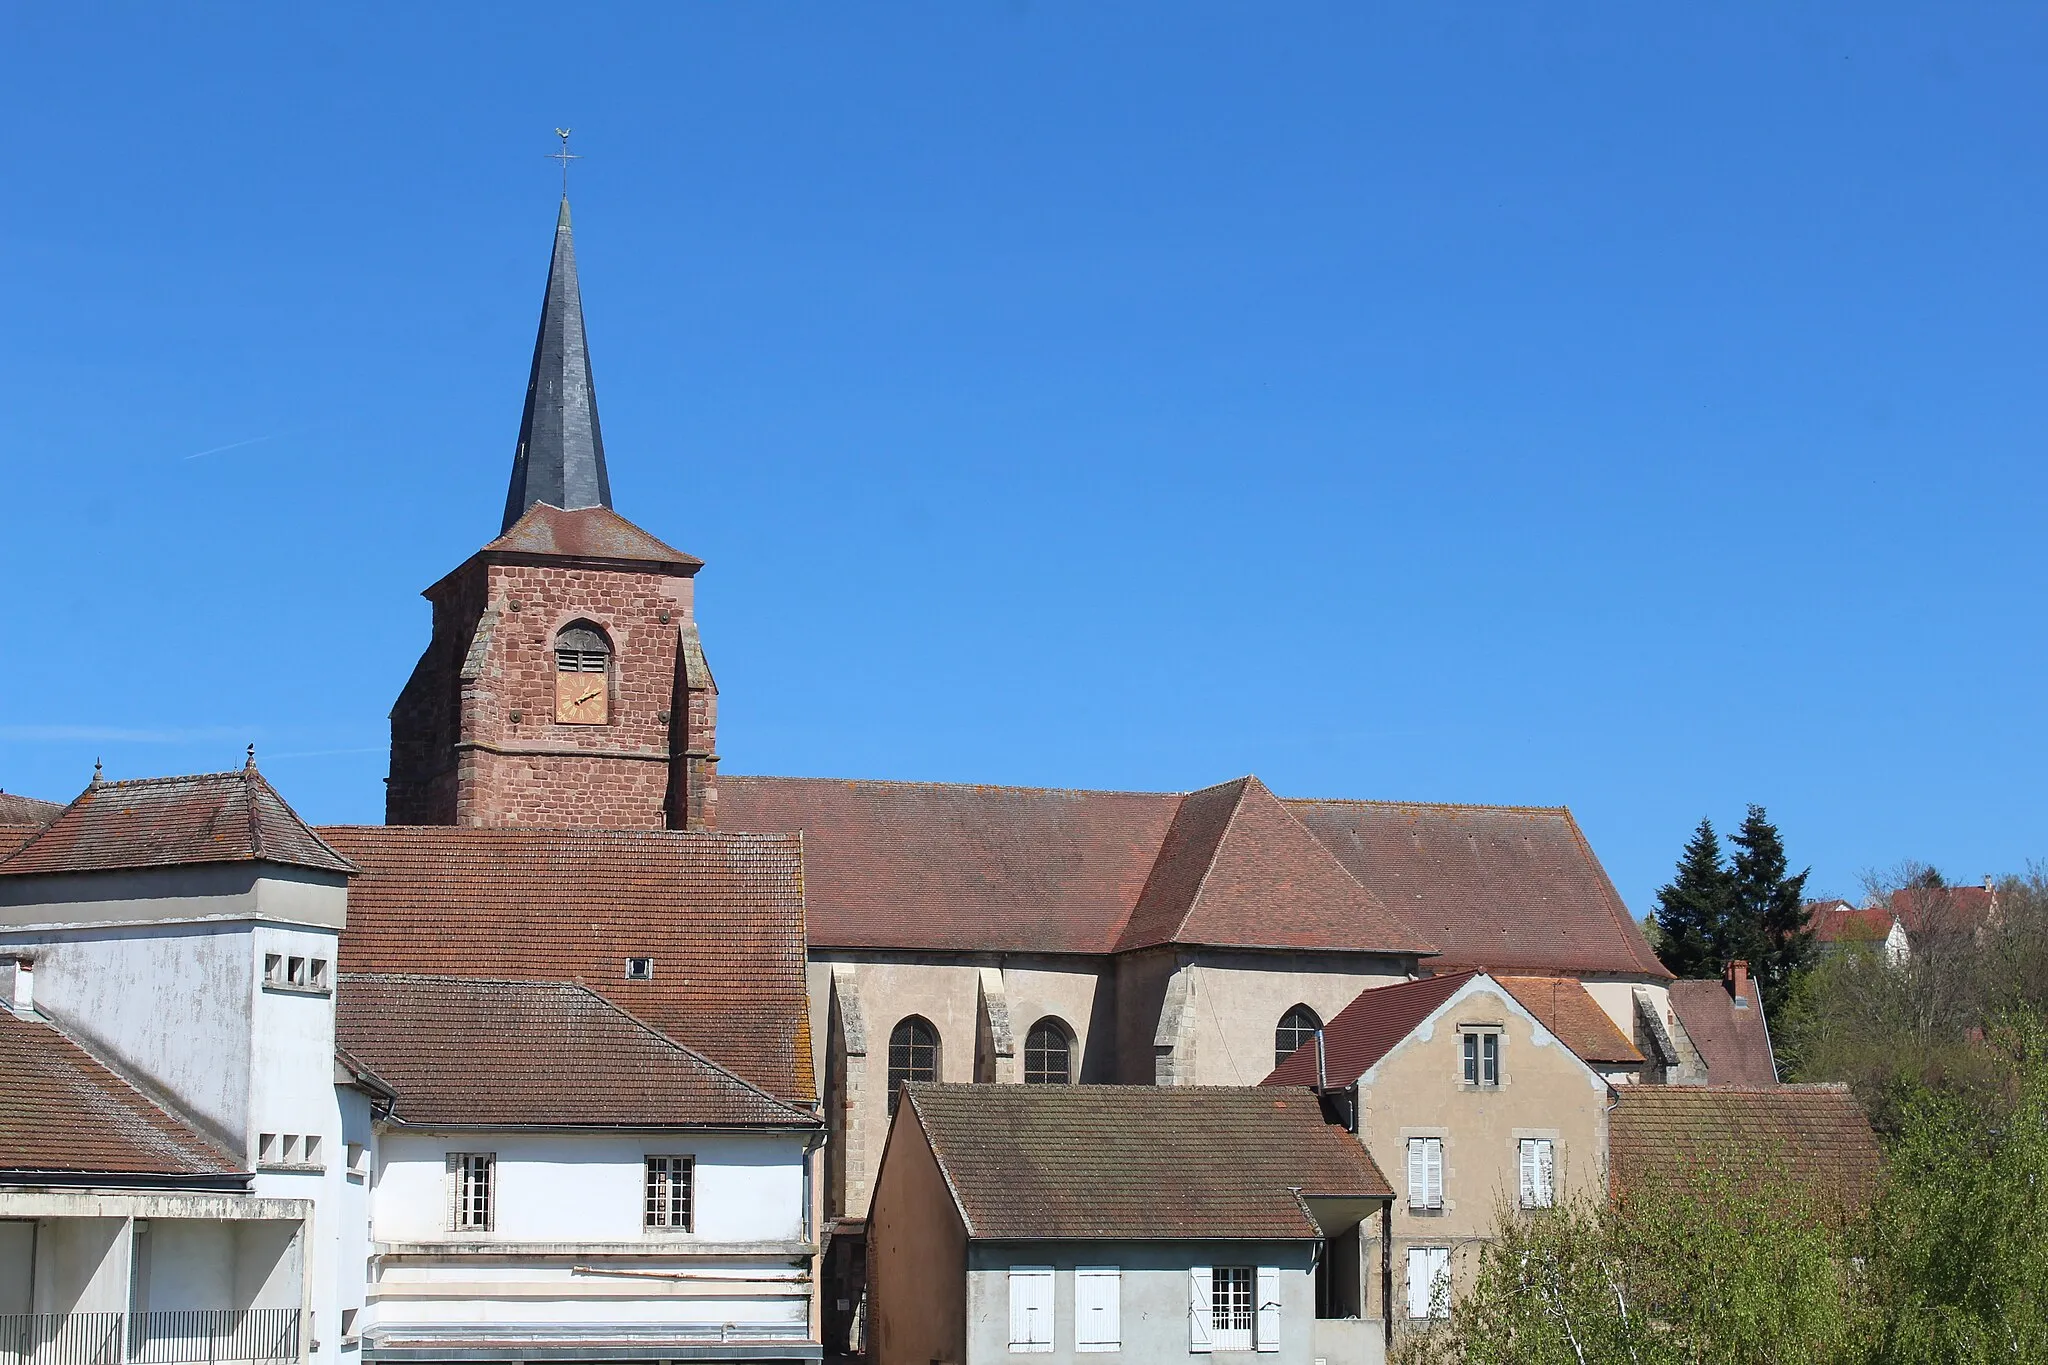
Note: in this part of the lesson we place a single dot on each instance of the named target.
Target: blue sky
(1639, 409)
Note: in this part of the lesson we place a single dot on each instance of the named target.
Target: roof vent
(639, 969)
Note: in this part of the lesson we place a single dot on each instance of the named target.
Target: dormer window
(582, 675)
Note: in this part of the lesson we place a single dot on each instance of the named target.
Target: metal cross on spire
(565, 156)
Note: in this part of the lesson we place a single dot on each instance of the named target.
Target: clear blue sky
(1634, 408)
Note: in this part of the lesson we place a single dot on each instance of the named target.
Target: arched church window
(1297, 1026)
(583, 659)
(1048, 1054)
(913, 1056)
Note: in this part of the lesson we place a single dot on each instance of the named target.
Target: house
(1841, 927)
(1816, 1139)
(1153, 1223)
(590, 1184)
(1720, 1032)
(174, 939)
(1457, 1086)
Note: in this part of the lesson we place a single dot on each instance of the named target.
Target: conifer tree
(1766, 909)
(1692, 911)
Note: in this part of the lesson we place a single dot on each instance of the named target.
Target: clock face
(580, 698)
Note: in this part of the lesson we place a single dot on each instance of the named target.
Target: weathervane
(565, 156)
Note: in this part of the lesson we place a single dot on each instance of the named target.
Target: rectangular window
(1098, 1308)
(295, 971)
(291, 1149)
(1539, 1173)
(639, 969)
(358, 1159)
(1482, 1057)
(311, 1155)
(1232, 1307)
(266, 1149)
(273, 969)
(670, 1181)
(1429, 1282)
(471, 1176)
(1031, 1321)
(1425, 1173)
(316, 973)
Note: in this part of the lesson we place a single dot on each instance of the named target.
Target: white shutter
(1546, 1173)
(1201, 1303)
(1418, 1282)
(1031, 1308)
(1269, 1307)
(1433, 1161)
(1530, 1197)
(1418, 1175)
(454, 1192)
(1098, 1304)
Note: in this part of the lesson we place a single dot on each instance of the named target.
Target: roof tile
(1734, 1043)
(1564, 1007)
(1368, 1029)
(586, 533)
(1815, 1135)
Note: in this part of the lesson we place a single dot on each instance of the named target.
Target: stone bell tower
(565, 684)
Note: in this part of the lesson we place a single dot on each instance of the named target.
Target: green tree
(1766, 921)
(1692, 911)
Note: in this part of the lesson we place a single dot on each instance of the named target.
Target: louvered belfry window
(579, 649)
(669, 1180)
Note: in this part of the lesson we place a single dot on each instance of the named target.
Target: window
(266, 1149)
(1482, 1057)
(291, 1149)
(1031, 1312)
(273, 969)
(358, 1160)
(639, 969)
(669, 1188)
(316, 973)
(470, 1180)
(1539, 1173)
(1426, 1173)
(582, 675)
(913, 1056)
(1297, 1027)
(1429, 1282)
(1048, 1054)
(311, 1154)
(1098, 1308)
(1233, 1308)
(295, 972)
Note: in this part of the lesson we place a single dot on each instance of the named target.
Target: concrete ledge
(678, 1248)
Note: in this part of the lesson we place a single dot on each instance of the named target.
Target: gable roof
(1930, 910)
(1368, 1029)
(1815, 1135)
(722, 915)
(232, 817)
(1562, 1005)
(1734, 1043)
(1505, 888)
(586, 533)
(66, 1112)
(470, 1051)
(1236, 870)
(1840, 922)
(26, 810)
(1141, 1162)
(948, 867)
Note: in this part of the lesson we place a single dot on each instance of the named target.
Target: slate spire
(561, 451)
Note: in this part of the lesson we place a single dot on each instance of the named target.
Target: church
(560, 848)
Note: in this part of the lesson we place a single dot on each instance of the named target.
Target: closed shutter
(1201, 1303)
(454, 1191)
(1529, 1196)
(1098, 1308)
(1031, 1308)
(1269, 1308)
(1429, 1270)
(1546, 1173)
(1418, 1176)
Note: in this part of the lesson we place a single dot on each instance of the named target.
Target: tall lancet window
(583, 682)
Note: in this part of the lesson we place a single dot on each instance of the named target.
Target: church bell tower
(565, 683)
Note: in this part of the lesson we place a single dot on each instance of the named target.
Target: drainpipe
(1387, 1275)
(1322, 1065)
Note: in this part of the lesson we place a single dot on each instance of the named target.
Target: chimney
(18, 985)
(1738, 981)
(1987, 881)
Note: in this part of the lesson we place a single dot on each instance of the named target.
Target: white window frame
(1434, 1263)
(1538, 1168)
(1225, 1333)
(1033, 1319)
(664, 1174)
(472, 1191)
(1098, 1308)
(1426, 1174)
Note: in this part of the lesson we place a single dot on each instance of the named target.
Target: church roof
(231, 817)
(67, 1112)
(481, 1052)
(585, 533)
(560, 456)
(944, 867)
(722, 915)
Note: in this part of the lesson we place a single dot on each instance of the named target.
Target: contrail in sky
(231, 445)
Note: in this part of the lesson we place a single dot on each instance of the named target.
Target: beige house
(1474, 1107)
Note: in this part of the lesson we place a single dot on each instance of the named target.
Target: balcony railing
(194, 1336)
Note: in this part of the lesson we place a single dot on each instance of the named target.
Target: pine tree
(1692, 912)
(1767, 909)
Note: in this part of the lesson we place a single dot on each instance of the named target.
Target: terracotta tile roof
(1565, 1008)
(13, 837)
(1734, 1043)
(468, 1051)
(722, 915)
(586, 533)
(233, 817)
(1236, 870)
(1926, 910)
(1137, 1162)
(1840, 922)
(1504, 888)
(65, 1111)
(26, 810)
(1368, 1029)
(949, 867)
(1815, 1135)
